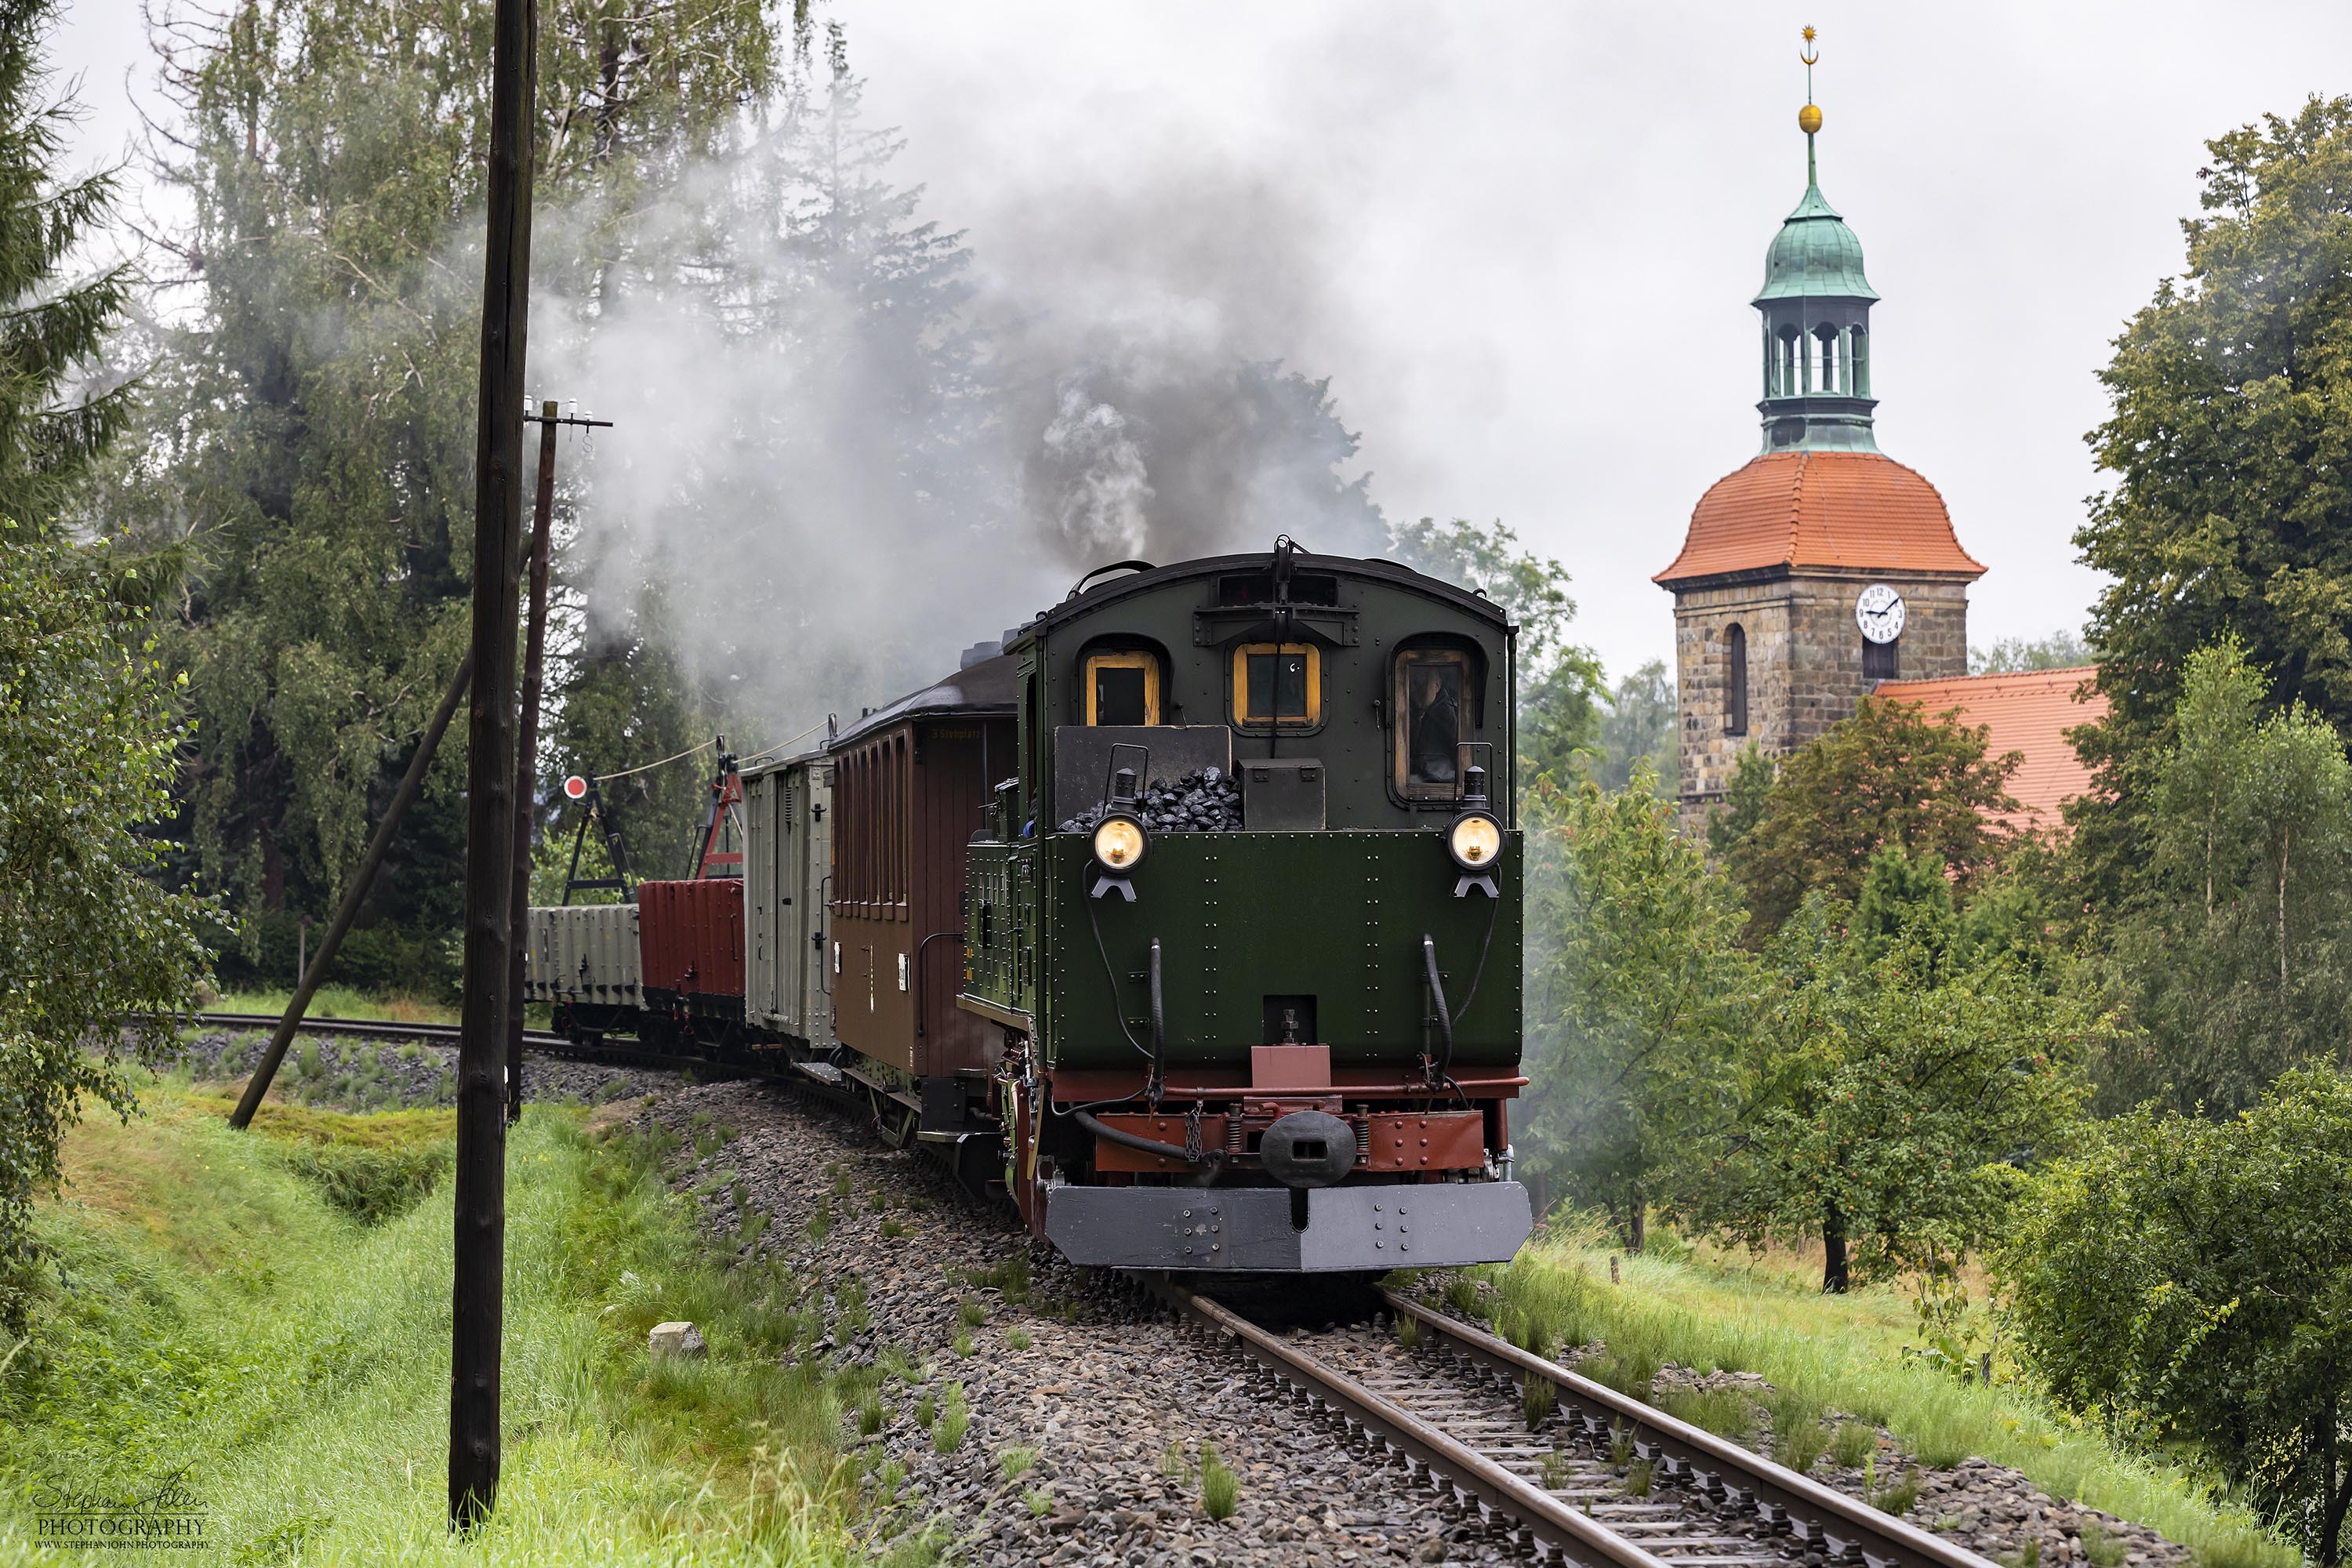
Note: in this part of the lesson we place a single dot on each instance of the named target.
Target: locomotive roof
(1373, 567)
(985, 689)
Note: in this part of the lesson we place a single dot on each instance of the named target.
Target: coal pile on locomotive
(1208, 800)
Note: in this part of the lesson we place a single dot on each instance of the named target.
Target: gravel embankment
(1103, 1390)
(1106, 1388)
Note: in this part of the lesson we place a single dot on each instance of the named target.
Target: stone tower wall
(1804, 662)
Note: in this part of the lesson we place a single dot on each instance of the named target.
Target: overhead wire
(648, 767)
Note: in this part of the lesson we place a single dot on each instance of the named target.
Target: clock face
(1879, 613)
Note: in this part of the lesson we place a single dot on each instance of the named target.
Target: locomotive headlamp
(1476, 839)
(1120, 845)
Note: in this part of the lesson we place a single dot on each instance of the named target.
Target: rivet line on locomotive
(1188, 917)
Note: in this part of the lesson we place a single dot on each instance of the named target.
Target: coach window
(1122, 688)
(1433, 703)
(1277, 685)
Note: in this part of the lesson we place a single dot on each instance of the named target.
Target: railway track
(1453, 1413)
(373, 1028)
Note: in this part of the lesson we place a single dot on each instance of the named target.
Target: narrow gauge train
(1190, 917)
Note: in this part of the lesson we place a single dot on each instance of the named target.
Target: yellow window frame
(1124, 659)
(1242, 714)
(1400, 721)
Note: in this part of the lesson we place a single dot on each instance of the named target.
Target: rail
(381, 1029)
(1845, 1528)
(1703, 1486)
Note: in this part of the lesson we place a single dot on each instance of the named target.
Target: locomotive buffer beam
(1293, 1230)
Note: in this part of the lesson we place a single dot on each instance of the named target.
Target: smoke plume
(847, 444)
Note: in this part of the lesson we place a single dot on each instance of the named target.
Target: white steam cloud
(847, 447)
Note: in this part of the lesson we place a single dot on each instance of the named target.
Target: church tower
(1821, 567)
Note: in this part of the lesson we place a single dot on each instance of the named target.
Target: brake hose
(1159, 1030)
(1136, 1140)
(1437, 995)
(1110, 976)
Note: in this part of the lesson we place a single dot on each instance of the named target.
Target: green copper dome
(1814, 255)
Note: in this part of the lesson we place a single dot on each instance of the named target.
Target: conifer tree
(309, 446)
(53, 423)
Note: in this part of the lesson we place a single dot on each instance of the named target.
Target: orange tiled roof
(1820, 508)
(2030, 712)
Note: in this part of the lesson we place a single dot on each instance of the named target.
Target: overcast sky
(1521, 240)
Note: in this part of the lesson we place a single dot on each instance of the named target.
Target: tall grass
(1844, 1352)
(218, 1313)
(339, 1001)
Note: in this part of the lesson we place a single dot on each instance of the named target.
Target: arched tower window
(1735, 679)
(1860, 354)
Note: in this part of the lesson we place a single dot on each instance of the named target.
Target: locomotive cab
(1247, 917)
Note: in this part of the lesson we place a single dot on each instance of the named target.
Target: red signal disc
(576, 787)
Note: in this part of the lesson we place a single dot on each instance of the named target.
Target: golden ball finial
(1809, 119)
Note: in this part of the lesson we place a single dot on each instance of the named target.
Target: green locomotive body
(1287, 1043)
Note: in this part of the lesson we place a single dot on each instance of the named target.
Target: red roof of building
(2030, 712)
(1820, 508)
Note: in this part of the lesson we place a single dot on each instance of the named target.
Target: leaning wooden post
(315, 970)
(475, 1296)
(526, 751)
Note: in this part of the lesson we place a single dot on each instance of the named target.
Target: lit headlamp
(1121, 844)
(1475, 840)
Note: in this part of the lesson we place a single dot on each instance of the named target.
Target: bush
(2188, 1281)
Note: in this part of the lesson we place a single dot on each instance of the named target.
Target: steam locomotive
(1188, 917)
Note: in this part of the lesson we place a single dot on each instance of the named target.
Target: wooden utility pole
(527, 739)
(477, 1289)
(315, 969)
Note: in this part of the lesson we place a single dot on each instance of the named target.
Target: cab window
(1277, 684)
(1122, 688)
(1432, 704)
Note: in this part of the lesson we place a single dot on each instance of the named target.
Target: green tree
(1639, 731)
(309, 433)
(2236, 944)
(55, 414)
(1560, 685)
(1636, 988)
(1745, 800)
(1888, 1098)
(2059, 651)
(1890, 773)
(96, 956)
(2228, 437)
(2190, 1282)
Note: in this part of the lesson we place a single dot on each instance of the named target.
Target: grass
(1797, 1440)
(1851, 1445)
(1220, 1489)
(955, 1420)
(1536, 1397)
(1724, 1412)
(342, 1001)
(219, 1316)
(1821, 1351)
